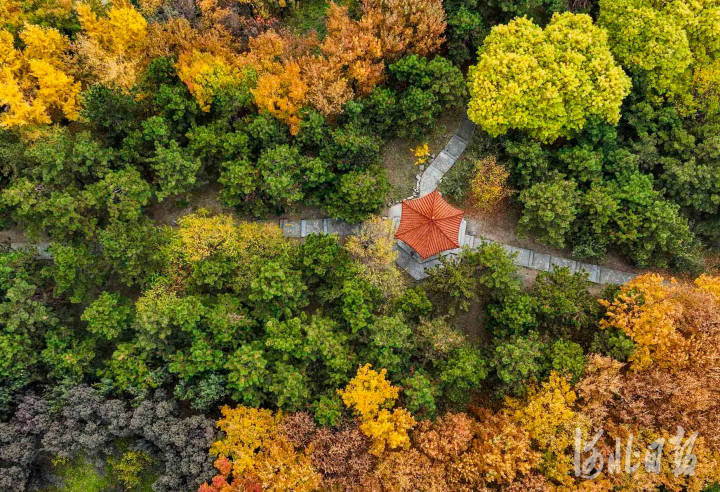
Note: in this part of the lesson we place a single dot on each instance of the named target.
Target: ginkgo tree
(36, 83)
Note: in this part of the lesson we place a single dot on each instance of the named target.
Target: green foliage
(549, 209)
(514, 315)
(358, 194)
(129, 468)
(110, 111)
(612, 343)
(466, 29)
(26, 316)
(81, 474)
(486, 272)
(567, 357)
(351, 148)
(176, 172)
(329, 410)
(461, 373)
(519, 362)
(564, 305)
(437, 76)
(420, 395)
(108, 316)
(76, 271)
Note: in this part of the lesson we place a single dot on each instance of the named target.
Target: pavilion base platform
(415, 265)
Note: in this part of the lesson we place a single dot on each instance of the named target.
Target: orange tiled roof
(429, 224)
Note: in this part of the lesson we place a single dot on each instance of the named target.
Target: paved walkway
(430, 179)
(407, 259)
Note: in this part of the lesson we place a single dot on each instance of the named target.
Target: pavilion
(429, 228)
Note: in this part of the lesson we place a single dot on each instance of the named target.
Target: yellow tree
(282, 94)
(673, 325)
(372, 248)
(206, 75)
(353, 49)
(371, 396)
(113, 48)
(488, 186)
(406, 26)
(673, 46)
(35, 84)
(255, 450)
(499, 455)
(546, 82)
(550, 419)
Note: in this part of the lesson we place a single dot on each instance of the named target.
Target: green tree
(520, 362)
(358, 195)
(461, 373)
(108, 316)
(176, 173)
(549, 209)
(564, 304)
(546, 82)
(567, 357)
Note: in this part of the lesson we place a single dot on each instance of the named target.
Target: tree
(666, 48)
(282, 94)
(114, 47)
(488, 186)
(668, 323)
(487, 272)
(549, 209)
(499, 454)
(370, 395)
(176, 173)
(358, 195)
(108, 316)
(373, 247)
(549, 417)
(520, 362)
(406, 26)
(518, 81)
(36, 83)
(461, 373)
(564, 305)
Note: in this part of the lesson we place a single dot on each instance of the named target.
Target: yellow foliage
(499, 454)
(547, 82)
(259, 450)
(282, 94)
(15, 13)
(328, 88)
(35, 83)
(388, 430)
(647, 311)
(406, 26)
(44, 43)
(123, 30)
(550, 420)
(368, 391)
(421, 153)
(709, 283)
(202, 236)
(247, 431)
(206, 75)
(372, 249)
(488, 186)
(113, 48)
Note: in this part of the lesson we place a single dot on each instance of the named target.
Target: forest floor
(398, 158)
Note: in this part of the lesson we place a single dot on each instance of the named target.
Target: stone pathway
(409, 260)
(430, 179)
